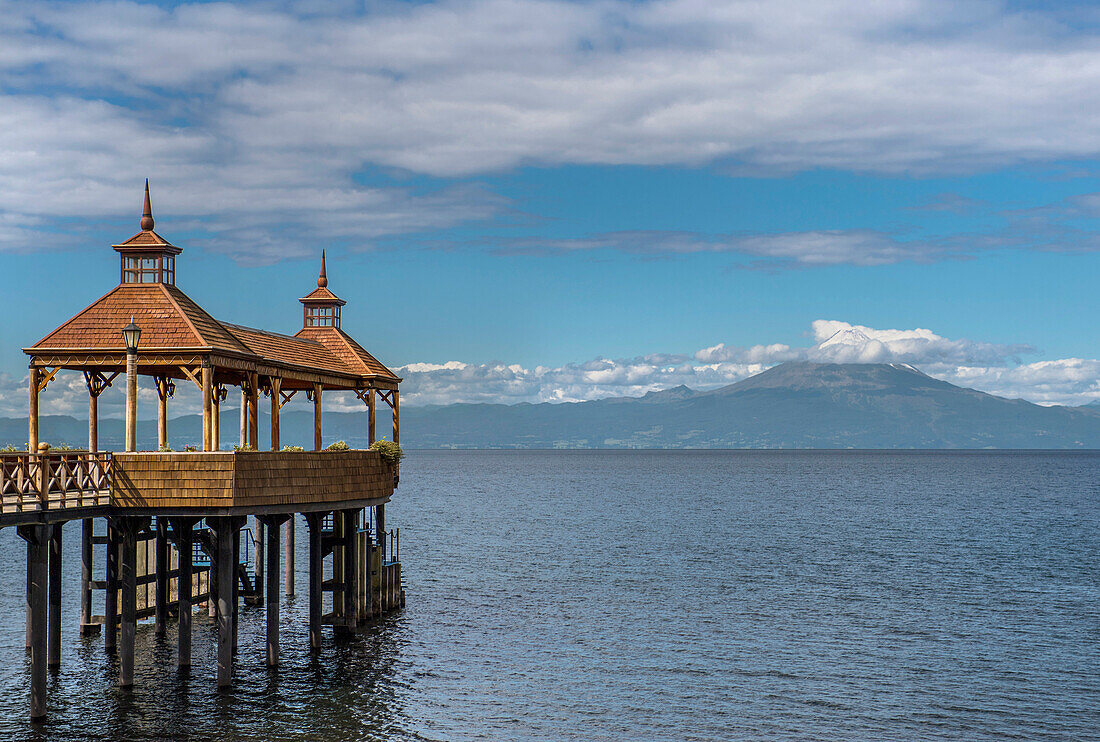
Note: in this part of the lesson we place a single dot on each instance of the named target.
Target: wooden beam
(192, 375)
(285, 396)
(44, 380)
(244, 416)
(161, 589)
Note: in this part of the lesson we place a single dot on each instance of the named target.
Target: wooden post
(317, 392)
(254, 411)
(207, 406)
(351, 564)
(162, 383)
(273, 592)
(93, 415)
(371, 405)
(227, 578)
(53, 652)
(276, 405)
(110, 606)
(313, 520)
(236, 579)
(244, 417)
(37, 559)
(289, 577)
(258, 558)
(184, 539)
(32, 411)
(396, 418)
(131, 401)
(380, 528)
(161, 590)
(129, 602)
(86, 528)
(216, 418)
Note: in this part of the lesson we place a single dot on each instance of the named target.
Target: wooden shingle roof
(168, 318)
(351, 353)
(289, 349)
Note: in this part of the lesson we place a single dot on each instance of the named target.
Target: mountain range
(793, 405)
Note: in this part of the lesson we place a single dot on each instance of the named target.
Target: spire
(147, 214)
(322, 280)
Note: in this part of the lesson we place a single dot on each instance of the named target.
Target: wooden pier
(175, 536)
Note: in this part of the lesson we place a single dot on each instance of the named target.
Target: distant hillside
(794, 405)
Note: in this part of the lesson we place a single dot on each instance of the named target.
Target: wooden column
(258, 557)
(244, 417)
(161, 585)
(380, 528)
(254, 411)
(396, 417)
(313, 520)
(289, 577)
(226, 578)
(318, 390)
(32, 411)
(351, 569)
(93, 413)
(184, 540)
(216, 418)
(86, 530)
(110, 606)
(273, 591)
(36, 537)
(372, 403)
(236, 578)
(207, 406)
(53, 652)
(162, 383)
(129, 603)
(276, 406)
(131, 401)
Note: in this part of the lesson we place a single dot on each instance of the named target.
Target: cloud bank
(990, 367)
(257, 121)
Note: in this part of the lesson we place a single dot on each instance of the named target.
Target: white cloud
(989, 367)
(253, 119)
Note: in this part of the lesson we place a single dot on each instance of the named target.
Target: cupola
(147, 257)
(322, 307)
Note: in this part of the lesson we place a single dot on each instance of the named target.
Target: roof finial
(147, 214)
(322, 280)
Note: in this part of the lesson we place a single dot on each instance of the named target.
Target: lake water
(658, 596)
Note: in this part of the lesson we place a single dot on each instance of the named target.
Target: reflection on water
(657, 596)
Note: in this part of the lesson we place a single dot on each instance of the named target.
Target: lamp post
(131, 333)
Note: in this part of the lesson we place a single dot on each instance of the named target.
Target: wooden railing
(54, 480)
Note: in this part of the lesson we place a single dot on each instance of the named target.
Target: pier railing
(54, 480)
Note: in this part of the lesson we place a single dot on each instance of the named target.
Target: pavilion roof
(350, 353)
(168, 318)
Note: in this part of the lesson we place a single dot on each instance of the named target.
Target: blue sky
(526, 200)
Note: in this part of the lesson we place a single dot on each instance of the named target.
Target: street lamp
(131, 334)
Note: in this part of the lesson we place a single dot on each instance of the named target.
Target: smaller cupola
(322, 307)
(147, 257)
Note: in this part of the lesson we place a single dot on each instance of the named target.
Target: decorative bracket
(97, 383)
(44, 380)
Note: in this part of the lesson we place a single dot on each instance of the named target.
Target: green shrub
(339, 446)
(391, 452)
(239, 448)
(165, 448)
(292, 449)
(12, 449)
(190, 449)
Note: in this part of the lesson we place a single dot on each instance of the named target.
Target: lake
(630, 595)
